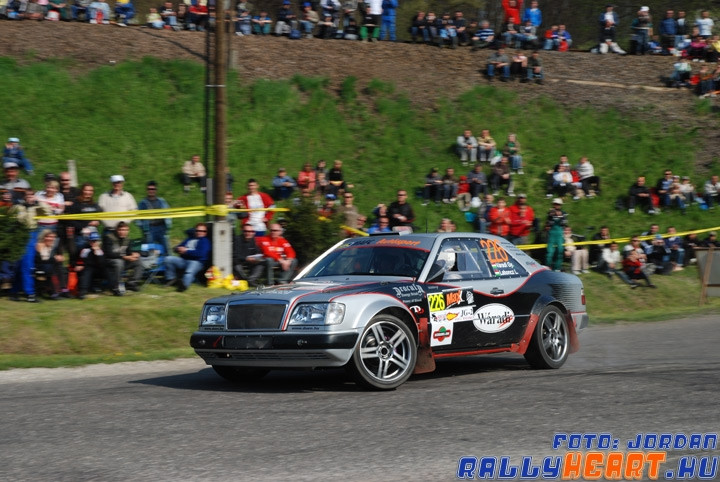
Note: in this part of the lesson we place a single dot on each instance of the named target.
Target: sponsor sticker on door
(493, 318)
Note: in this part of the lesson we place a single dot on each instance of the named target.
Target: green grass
(143, 119)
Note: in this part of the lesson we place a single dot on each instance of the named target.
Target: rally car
(386, 307)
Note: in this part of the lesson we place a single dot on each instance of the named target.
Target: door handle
(496, 291)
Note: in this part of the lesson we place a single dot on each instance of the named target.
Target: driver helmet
(447, 256)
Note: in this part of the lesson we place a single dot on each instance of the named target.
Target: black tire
(240, 374)
(386, 354)
(550, 344)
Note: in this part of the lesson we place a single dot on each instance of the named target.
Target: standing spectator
(401, 213)
(352, 217)
(155, 230)
(512, 9)
(500, 219)
(668, 31)
(433, 187)
(705, 24)
(555, 224)
(682, 30)
(27, 211)
(609, 16)
(611, 262)
(467, 147)
(477, 181)
(13, 152)
(283, 184)
(486, 144)
(194, 171)
(54, 201)
(278, 254)
(450, 186)
(69, 192)
(387, 25)
(483, 211)
(257, 202)
(589, 181)
(248, 260)
(498, 61)
(90, 265)
(336, 179)
(121, 257)
(711, 191)
(642, 31)
(639, 194)
(511, 150)
(193, 256)
(522, 220)
(579, 257)
(84, 204)
(369, 30)
(533, 14)
(535, 69)
(116, 200)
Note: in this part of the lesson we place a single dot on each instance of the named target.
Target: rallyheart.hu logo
(493, 318)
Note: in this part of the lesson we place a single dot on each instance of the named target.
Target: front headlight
(318, 314)
(213, 315)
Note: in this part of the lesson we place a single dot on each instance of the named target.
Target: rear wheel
(386, 354)
(550, 343)
(240, 374)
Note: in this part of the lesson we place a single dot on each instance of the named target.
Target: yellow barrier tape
(185, 212)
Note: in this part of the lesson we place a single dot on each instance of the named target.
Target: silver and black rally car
(386, 307)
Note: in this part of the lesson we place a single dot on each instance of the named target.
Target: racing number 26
(495, 252)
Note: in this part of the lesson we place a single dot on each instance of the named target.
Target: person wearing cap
(286, 20)
(642, 31)
(308, 19)
(13, 152)
(155, 230)
(257, 202)
(116, 200)
(283, 184)
(194, 171)
(91, 264)
(555, 225)
(328, 209)
(12, 181)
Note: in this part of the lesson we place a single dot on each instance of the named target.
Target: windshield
(371, 261)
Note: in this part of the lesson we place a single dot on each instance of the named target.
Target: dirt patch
(631, 84)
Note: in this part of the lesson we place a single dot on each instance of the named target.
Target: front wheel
(550, 343)
(386, 354)
(240, 374)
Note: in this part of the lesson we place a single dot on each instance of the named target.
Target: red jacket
(521, 225)
(512, 12)
(267, 201)
(276, 249)
(499, 221)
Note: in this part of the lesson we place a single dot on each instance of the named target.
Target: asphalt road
(179, 421)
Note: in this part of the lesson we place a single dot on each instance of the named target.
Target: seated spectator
(674, 244)
(248, 260)
(50, 274)
(13, 152)
(510, 31)
(381, 226)
(193, 254)
(124, 11)
(535, 69)
(501, 177)
(607, 42)
(183, 16)
(713, 49)
(639, 195)
(579, 257)
(418, 28)
(58, 10)
(667, 192)
(486, 146)
(286, 20)
(522, 220)
(691, 242)
(99, 12)
(121, 258)
(91, 265)
(336, 179)
(477, 181)
(499, 219)
(611, 262)
(13, 183)
(450, 186)
(590, 183)
(278, 254)
(518, 65)
(169, 16)
(351, 31)
(711, 241)
(654, 46)
(327, 28)
(511, 150)
(461, 30)
(563, 182)
(330, 8)
(500, 62)
(308, 20)
(633, 268)
(447, 32)
(401, 214)
(467, 147)
(527, 37)
(154, 19)
(243, 22)
(658, 255)
(484, 37)
(551, 41)
(194, 171)
(446, 226)
(463, 194)
(680, 77)
(283, 184)
(697, 49)
(198, 15)
(33, 10)
(597, 248)
(711, 191)
(433, 187)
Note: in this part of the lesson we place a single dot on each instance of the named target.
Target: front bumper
(275, 350)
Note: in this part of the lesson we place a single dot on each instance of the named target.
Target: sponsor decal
(417, 309)
(493, 318)
(453, 298)
(441, 334)
(465, 313)
(409, 291)
(397, 242)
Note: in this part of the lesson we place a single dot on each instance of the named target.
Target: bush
(309, 235)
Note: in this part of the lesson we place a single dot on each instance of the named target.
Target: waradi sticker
(493, 318)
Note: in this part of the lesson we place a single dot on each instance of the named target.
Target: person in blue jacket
(387, 21)
(13, 152)
(193, 255)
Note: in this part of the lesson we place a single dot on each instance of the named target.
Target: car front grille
(250, 316)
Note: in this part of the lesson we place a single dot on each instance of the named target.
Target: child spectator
(154, 19)
(511, 150)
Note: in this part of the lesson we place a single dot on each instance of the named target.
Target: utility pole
(222, 229)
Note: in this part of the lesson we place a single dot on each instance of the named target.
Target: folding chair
(152, 257)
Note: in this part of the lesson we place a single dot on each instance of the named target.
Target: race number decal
(436, 302)
(495, 252)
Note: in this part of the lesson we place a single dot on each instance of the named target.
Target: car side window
(462, 261)
(499, 263)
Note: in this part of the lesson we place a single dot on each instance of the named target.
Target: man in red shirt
(255, 199)
(279, 254)
(500, 219)
(522, 217)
